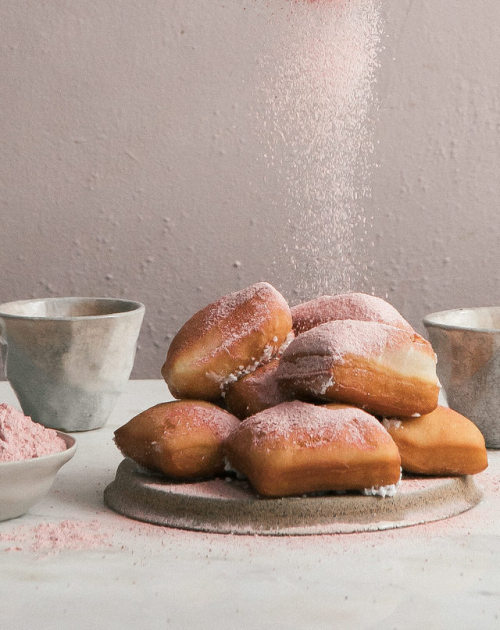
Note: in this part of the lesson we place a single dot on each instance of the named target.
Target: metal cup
(467, 343)
(68, 359)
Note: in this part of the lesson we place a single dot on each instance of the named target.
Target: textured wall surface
(129, 163)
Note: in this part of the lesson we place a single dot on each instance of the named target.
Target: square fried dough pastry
(383, 369)
(442, 442)
(296, 448)
(225, 340)
(182, 439)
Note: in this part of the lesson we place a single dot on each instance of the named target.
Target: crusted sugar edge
(268, 354)
(384, 491)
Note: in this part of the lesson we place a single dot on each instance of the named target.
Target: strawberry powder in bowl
(30, 457)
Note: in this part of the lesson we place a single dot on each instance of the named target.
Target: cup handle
(3, 355)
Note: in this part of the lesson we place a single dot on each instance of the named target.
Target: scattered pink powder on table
(21, 438)
(56, 537)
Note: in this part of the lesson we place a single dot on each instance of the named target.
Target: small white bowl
(25, 482)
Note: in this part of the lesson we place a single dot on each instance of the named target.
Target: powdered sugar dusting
(392, 423)
(322, 389)
(305, 425)
(21, 438)
(288, 340)
(318, 101)
(267, 355)
(194, 415)
(220, 313)
(263, 383)
(56, 537)
(339, 338)
(384, 491)
(358, 306)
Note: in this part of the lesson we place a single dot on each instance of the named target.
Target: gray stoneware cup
(68, 359)
(467, 343)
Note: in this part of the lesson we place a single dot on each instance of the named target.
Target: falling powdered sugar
(318, 79)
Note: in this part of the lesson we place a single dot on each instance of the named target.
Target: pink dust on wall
(318, 78)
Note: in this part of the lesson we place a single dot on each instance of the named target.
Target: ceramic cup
(68, 359)
(467, 343)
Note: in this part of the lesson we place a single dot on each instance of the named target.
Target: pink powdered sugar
(263, 384)
(193, 415)
(56, 537)
(21, 438)
(339, 338)
(357, 306)
(313, 354)
(220, 313)
(306, 425)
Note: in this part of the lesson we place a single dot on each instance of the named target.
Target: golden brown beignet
(226, 340)
(182, 439)
(442, 442)
(383, 369)
(359, 306)
(255, 392)
(297, 447)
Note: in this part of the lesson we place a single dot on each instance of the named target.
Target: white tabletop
(134, 575)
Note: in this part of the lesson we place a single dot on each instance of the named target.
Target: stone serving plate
(229, 506)
(24, 483)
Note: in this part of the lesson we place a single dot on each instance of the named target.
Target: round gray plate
(231, 507)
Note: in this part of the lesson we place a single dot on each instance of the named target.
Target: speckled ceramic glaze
(467, 343)
(68, 359)
(232, 507)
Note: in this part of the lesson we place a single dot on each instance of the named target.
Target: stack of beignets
(351, 351)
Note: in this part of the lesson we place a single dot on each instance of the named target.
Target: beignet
(226, 340)
(296, 447)
(182, 439)
(381, 368)
(442, 442)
